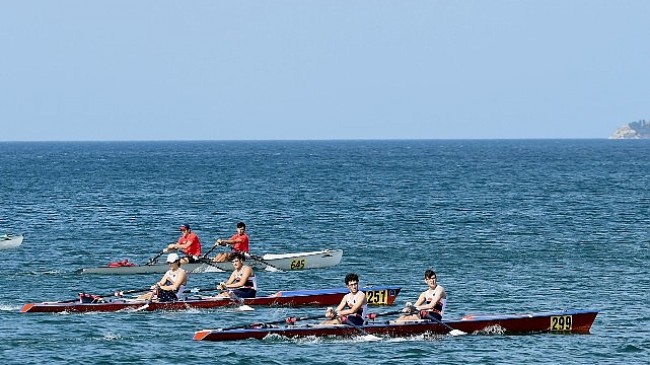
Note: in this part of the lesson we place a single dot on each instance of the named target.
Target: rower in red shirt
(239, 242)
(188, 243)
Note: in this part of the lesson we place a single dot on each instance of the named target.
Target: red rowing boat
(569, 321)
(376, 295)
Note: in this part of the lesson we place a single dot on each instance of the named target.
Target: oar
(235, 298)
(209, 262)
(288, 320)
(366, 335)
(146, 304)
(205, 256)
(452, 331)
(198, 290)
(390, 313)
(242, 307)
(261, 260)
(154, 259)
(114, 294)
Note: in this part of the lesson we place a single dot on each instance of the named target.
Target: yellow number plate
(298, 264)
(561, 323)
(377, 297)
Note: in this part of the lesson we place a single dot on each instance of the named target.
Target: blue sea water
(510, 226)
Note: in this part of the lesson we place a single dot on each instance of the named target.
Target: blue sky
(251, 70)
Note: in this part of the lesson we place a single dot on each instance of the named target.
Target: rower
(353, 306)
(238, 241)
(188, 243)
(430, 304)
(242, 282)
(171, 286)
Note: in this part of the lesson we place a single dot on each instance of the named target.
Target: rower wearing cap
(188, 243)
(171, 285)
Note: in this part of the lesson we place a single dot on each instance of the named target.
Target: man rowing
(242, 282)
(171, 285)
(188, 243)
(238, 241)
(353, 306)
(430, 304)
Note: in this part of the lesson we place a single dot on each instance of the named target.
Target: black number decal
(297, 264)
(377, 297)
(561, 323)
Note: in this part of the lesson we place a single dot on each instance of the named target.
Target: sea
(509, 226)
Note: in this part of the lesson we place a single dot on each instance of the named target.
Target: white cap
(173, 257)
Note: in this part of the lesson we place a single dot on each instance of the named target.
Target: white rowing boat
(270, 262)
(7, 241)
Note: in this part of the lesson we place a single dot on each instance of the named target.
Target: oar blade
(456, 333)
(370, 338)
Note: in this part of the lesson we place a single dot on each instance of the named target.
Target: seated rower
(188, 243)
(431, 302)
(353, 306)
(171, 286)
(238, 241)
(242, 282)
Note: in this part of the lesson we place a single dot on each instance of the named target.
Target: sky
(321, 70)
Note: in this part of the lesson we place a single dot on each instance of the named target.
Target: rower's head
(173, 258)
(237, 259)
(430, 275)
(185, 227)
(351, 278)
(241, 227)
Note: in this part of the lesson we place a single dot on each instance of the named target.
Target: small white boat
(9, 241)
(269, 262)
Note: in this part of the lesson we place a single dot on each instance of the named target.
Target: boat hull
(377, 295)
(7, 242)
(570, 321)
(285, 262)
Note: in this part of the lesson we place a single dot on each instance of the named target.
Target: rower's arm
(230, 280)
(421, 299)
(162, 281)
(341, 305)
(242, 279)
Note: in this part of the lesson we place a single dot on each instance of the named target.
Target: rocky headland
(634, 130)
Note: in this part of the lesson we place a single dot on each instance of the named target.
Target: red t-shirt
(194, 249)
(241, 242)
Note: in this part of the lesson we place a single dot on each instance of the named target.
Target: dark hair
(430, 274)
(351, 277)
(241, 225)
(238, 255)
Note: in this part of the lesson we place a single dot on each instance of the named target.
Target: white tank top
(351, 301)
(250, 283)
(172, 276)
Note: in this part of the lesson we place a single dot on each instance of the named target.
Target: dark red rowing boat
(377, 295)
(568, 321)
